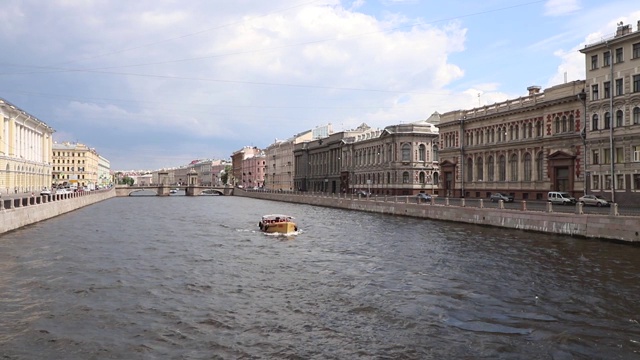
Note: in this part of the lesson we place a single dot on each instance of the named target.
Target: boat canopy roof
(273, 216)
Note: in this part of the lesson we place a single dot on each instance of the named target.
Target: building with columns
(25, 151)
(524, 147)
(613, 112)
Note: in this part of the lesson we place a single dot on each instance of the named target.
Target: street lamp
(583, 134)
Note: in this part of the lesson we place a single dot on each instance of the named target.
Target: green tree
(224, 177)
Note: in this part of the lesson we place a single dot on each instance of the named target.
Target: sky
(154, 84)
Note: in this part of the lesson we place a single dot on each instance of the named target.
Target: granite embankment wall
(22, 211)
(609, 227)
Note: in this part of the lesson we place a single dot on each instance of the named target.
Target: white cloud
(561, 7)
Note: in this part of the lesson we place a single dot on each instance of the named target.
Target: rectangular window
(607, 89)
(607, 182)
(636, 83)
(636, 154)
(606, 156)
(620, 181)
(595, 157)
(595, 182)
(594, 62)
(619, 57)
(636, 50)
(606, 58)
(636, 181)
(619, 87)
(594, 92)
(619, 155)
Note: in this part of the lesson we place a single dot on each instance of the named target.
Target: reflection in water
(193, 277)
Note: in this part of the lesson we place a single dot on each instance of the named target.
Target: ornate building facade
(279, 171)
(524, 147)
(25, 151)
(75, 165)
(613, 110)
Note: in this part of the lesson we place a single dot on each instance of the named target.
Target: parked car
(560, 197)
(63, 191)
(422, 197)
(363, 193)
(495, 197)
(594, 200)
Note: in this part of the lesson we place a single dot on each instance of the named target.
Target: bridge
(164, 190)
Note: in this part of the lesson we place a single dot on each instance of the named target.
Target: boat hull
(281, 227)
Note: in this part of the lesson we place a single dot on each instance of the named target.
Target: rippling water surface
(192, 278)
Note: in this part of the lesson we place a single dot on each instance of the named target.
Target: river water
(192, 278)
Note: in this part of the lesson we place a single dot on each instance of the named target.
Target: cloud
(561, 7)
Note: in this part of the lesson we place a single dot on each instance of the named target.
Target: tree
(224, 177)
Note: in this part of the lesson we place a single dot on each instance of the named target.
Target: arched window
(538, 128)
(479, 169)
(406, 152)
(388, 178)
(469, 169)
(422, 177)
(636, 115)
(564, 124)
(527, 167)
(502, 168)
(557, 123)
(436, 179)
(571, 124)
(422, 152)
(619, 116)
(513, 166)
(435, 153)
(405, 177)
(493, 135)
(490, 168)
(594, 122)
(607, 120)
(517, 132)
(539, 167)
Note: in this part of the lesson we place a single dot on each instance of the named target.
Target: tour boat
(277, 223)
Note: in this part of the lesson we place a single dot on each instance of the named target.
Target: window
(513, 166)
(564, 124)
(607, 182)
(619, 118)
(606, 58)
(422, 178)
(422, 151)
(594, 92)
(619, 57)
(607, 120)
(479, 169)
(490, 168)
(405, 177)
(636, 83)
(502, 168)
(636, 154)
(636, 115)
(607, 156)
(595, 157)
(607, 89)
(594, 62)
(636, 181)
(406, 152)
(636, 51)
(620, 181)
(619, 155)
(619, 90)
(527, 167)
(594, 122)
(539, 166)
(469, 170)
(538, 128)
(595, 182)
(557, 122)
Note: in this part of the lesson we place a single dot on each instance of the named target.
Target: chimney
(533, 90)
(623, 29)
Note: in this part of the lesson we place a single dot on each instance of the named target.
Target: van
(561, 198)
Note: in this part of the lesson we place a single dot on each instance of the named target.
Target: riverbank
(611, 226)
(17, 212)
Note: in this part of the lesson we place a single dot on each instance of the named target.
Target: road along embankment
(22, 211)
(595, 226)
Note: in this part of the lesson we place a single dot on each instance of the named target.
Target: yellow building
(75, 165)
(25, 151)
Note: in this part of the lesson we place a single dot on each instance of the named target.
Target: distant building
(25, 150)
(279, 169)
(613, 113)
(75, 165)
(248, 167)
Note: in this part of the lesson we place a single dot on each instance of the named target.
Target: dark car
(363, 193)
(422, 197)
(495, 197)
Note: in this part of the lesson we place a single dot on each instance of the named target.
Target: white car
(62, 191)
(595, 200)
